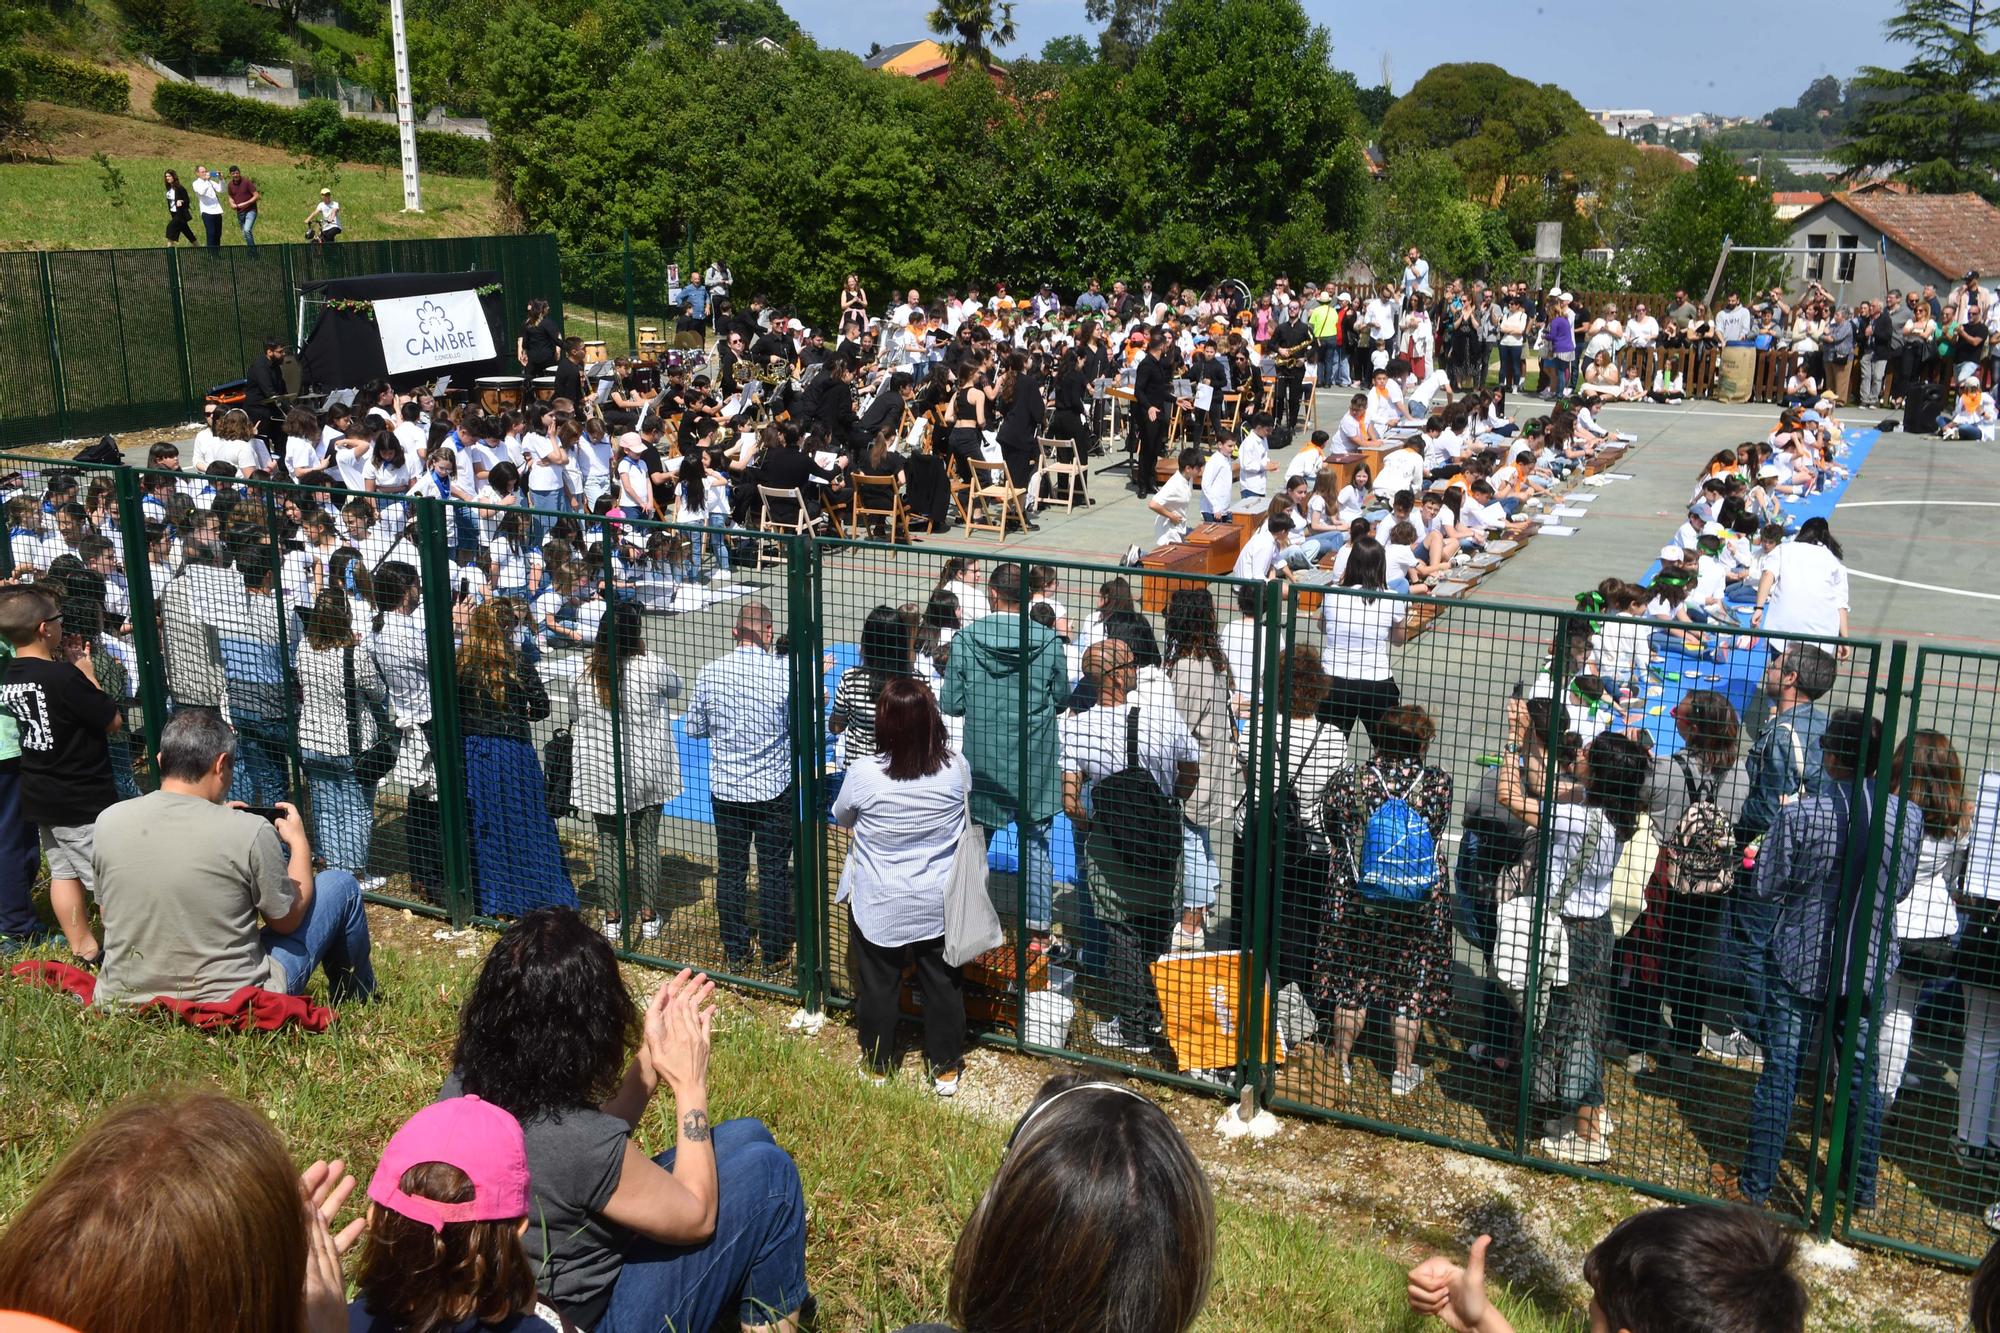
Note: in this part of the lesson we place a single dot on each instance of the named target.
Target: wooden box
(1220, 543)
(1156, 585)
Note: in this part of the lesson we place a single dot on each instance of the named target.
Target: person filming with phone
(202, 896)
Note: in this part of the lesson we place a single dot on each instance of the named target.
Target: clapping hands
(679, 1021)
(323, 1189)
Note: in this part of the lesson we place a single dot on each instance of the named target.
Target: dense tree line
(1228, 147)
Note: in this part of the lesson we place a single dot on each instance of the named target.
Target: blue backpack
(1398, 861)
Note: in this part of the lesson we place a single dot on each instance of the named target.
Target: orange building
(923, 60)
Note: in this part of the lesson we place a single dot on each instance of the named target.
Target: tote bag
(971, 926)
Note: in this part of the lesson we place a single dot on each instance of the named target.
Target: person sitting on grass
(1666, 1270)
(447, 1207)
(622, 1241)
(193, 1203)
(1099, 1218)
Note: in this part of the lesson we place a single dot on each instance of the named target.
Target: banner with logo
(432, 332)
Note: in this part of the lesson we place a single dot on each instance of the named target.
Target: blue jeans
(1039, 865)
(334, 935)
(343, 811)
(1747, 946)
(262, 744)
(755, 1263)
(1199, 873)
(1791, 1020)
(716, 543)
(1743, 592)
(542, 522)
(247, 221)
(767, 824)
(20, 860)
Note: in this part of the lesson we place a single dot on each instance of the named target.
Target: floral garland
(366, 309)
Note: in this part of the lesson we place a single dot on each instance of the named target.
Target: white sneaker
(649, 929)
(610, 930)
(1402, 1085)
(1573, 1147)
(1112, 1037)
(372, 883)
(1562, 1125)
(946, 1085)
(1347, 1072)
(719, 576)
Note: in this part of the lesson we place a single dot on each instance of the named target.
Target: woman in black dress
(537, 348)
(1073, 403)
(969, 412)
(1023, 412)
(177, 209)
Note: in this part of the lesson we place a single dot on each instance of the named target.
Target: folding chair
(1060, 460)
(802, 523)
(861, 515)
(992, 489)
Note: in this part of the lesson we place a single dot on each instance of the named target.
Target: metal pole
(406, 124)
(615, 665)
(185, 365)
(631, 315)
(1715, 279)
(447, 746)
(1543, 838)
(151, 684)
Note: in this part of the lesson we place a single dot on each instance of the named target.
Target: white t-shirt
(1260, 555)
(543, 475)
(1567, 826)
(1352, 433)
(1810, 591)
(1218, 490)
(1253, 459)
(303, 454)
(1175, 495)
(1356, 631)
(352, 464)
(209, 191)
(1402, 562)
(328, 213)
(1239, 645)
(1402, 470)
(1093, 744)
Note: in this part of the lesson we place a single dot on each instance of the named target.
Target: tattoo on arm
(694, 1126)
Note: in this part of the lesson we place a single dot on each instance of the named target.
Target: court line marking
(1926, 587)
(1953, 504)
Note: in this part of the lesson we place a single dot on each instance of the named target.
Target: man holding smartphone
(202, 897)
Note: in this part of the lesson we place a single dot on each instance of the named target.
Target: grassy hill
(64, 203)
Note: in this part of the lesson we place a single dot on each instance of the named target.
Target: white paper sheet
(1557, 530)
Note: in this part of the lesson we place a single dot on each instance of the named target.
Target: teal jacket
(983, 685)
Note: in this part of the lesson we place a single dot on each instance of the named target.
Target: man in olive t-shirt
(201, 899)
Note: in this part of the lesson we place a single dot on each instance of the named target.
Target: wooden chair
(802, 523)
(861, 515)
(992, 490)
(1232, 410)
(1060, 461)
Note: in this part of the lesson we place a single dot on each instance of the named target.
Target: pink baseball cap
(473, 1135)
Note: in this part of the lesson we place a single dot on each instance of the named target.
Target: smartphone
(270, 812)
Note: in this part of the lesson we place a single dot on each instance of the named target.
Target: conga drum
(497, 393)
(545, 388)
(593, 352)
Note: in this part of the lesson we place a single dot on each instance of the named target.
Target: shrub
(212, 29)
(314, 129)
(50, 78)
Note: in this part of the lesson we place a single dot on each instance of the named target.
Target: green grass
(890, 1173)
(64, 205)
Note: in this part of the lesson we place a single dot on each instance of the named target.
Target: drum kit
(500, 393)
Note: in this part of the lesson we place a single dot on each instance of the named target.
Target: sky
(1691, 56)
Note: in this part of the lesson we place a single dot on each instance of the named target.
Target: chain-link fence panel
(30, 388)
(1933, 1064)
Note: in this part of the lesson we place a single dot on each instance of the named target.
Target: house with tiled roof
(924, 60)
(1878, 239)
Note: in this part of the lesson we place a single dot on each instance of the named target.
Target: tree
(1935, 121)
(1424, 204)
(1683, 232)
(1490, 121)
(972, 28)
(1822, 94)
(1128, 26)
(1068, 52)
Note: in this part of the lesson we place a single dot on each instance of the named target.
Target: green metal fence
(666, 755)
(113, 340)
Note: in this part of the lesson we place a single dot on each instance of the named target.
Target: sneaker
(1113, 1037)
(1402, 1084)
(1347, 1072)
(611, 930)
(1562, 1125)
(649, 928)
(373, 883)
(946, 1084)
(1991, 1217)
(1730, 1046)
(1573, 1147)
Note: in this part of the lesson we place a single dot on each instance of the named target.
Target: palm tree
(980, 26)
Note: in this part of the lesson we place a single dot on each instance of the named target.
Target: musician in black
(730, 370)
(689, 322)
(569, 374)
(1205, 367)
(771, 351)
(265, 387)
(813, 352)
(1153, 409)
(1022, 414)
(1290, 345)
(1073, 403)
(832, 407)
(787, 467)
(885, 411)
(538, 346)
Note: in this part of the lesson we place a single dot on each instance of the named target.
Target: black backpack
(1142, 823)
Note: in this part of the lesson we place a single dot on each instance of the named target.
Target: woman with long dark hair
(537, 347)
(1358, 632)
(1072, 401)
(906, 804)
(1590, 821)
(1804, 586)
(1022, 416)
(623, 1242)
(179, 209)
(887, 654)
(1202, 683)
(517, 860)
(342, 714)
(626, 688)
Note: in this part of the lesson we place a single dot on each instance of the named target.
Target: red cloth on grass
(251, 1009)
